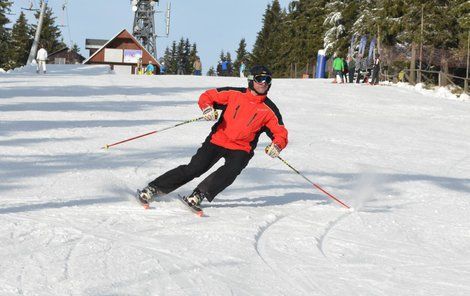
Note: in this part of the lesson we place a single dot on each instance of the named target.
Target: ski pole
(152, 132)
(315, 185)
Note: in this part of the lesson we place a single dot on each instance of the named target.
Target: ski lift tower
(144, 24)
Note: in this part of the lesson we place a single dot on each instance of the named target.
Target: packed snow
(69, 225)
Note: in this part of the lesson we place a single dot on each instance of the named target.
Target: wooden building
(122, 53)
(94, 44)
(65, 56)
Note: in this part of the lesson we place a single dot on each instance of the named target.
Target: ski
(195, 209)
(144, 204)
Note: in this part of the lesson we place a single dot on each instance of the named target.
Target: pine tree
(302, 36)
(187, 61)
(266, 50)
(222, 56)
(50, 37)
(21, 41)
(336, 29)
(242, 56)
(4, 35)
(211, 71)
(167, 60)
(192, 57)
(75, 48)
(461, 9)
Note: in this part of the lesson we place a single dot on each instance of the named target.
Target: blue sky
(214, 25)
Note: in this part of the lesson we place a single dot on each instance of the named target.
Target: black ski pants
(206, 156)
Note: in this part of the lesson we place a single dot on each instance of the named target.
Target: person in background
(376, 70)
(345, 71)
(247, 113)
(358, 62)
(352, 68)
(149, 70)
(180, 67)
(224, 68)
(338, 68)
(242, 69)
(162, 68)
(41, 58)
(197, 67)
(139, 68)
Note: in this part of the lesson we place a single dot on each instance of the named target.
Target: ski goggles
(261, 78)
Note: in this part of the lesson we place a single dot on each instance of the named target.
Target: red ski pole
(315, 185)
(152, 132)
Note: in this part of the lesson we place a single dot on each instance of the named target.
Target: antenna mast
(144, 24)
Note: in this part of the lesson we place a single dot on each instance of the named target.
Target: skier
(247, 112)
(41, 59)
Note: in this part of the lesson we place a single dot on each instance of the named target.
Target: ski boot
(148, 195)
(193, 201)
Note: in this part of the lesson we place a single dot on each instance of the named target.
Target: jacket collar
(254, 98)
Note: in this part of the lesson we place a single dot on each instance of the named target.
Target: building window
(59, 61)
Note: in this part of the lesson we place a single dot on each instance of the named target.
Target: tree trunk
(413, 63)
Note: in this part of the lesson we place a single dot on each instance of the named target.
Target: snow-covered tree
(334, 24)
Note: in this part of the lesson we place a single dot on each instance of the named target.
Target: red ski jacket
(244, 117)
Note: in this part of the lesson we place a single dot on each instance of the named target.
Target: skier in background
(41, 58)
(247, 112)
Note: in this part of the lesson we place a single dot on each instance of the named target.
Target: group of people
(356, 66)
(147, 70)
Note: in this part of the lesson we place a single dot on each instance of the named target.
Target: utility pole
(34, 47)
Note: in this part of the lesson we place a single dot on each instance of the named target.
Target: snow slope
(68, 226)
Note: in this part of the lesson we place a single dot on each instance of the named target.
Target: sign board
(113, 55)
(132, 55)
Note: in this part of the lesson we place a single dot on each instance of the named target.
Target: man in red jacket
(246, 113)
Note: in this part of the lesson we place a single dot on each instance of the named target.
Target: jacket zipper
(252, 118)
(236, 111)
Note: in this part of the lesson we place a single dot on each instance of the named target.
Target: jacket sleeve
(214, 98)
(277, 131)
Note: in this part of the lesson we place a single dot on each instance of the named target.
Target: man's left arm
(278, 134)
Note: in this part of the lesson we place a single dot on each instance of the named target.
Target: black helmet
(259, 71)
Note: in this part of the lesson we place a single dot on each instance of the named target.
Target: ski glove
(272, 150)
(210, 114)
